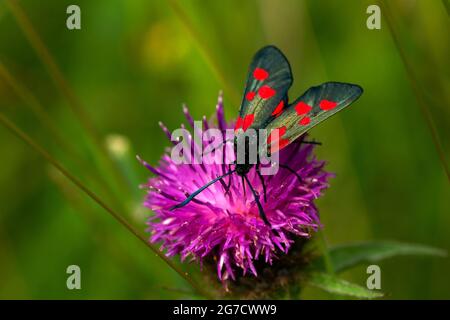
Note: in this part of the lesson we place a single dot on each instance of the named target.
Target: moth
(265, 105)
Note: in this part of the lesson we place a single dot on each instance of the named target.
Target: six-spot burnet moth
(265, 105)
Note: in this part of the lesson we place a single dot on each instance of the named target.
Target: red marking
(238, 123)
(250, 95)
(260, 74)
(266, 92)
(248, 120)
(278, 109)
(327, 105)
(304, 121)
(279, 132)
(302, 108)
(280, 145)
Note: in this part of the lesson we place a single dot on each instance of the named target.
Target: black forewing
(268, 81)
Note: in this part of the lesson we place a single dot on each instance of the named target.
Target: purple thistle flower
(227, 227)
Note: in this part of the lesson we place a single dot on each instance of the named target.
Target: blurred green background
(134, 62)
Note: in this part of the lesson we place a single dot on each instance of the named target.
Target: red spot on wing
(239, 122)
(275, 139)
(250, 95)
(260, 74)
(280, 145)
(278, 109)
(266, 92)
(327, 105)
(278, 132)
(248, 120)
(304, 121)
(302, 108)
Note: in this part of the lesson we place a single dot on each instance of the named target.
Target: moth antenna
(198, 191)
(312, 142)
(292, 171)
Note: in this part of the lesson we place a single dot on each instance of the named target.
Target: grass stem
(118, 217)
(416, 90)
(323, 247)
(102, 238)
(205, 50)
(42, 115)
(60, 82)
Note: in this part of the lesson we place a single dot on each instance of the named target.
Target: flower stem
(28, 140)
(323, 246)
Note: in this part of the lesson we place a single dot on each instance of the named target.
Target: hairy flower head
(226, 226)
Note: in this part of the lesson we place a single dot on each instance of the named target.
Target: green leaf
(333, 284)
(346, 256)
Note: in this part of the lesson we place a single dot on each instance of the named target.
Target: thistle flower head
(226, 226)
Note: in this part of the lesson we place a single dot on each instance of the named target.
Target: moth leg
(261, 178)
(292, 171)
(243, 186)
(258, 203)
(228, 186)
(224, 185)
(217, 147)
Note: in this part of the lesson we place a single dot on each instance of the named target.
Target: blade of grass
(60, 82)
(423, 285)
(206, 52)
(32, 102)
(102, 238)
(118, 217)
(416, 90)
(340, 287)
